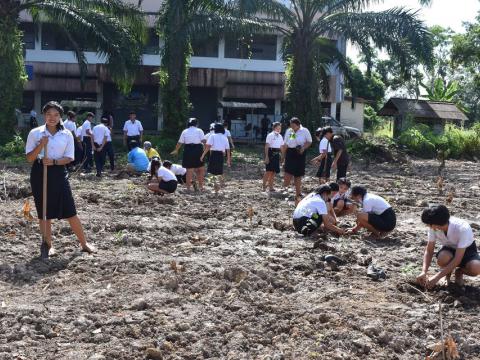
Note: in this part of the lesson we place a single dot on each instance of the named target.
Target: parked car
(339, 129)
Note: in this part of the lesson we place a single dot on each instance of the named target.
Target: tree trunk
(12, 74)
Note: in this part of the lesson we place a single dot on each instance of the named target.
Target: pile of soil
(194, 276)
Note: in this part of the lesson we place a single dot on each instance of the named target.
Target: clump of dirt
(197, 276)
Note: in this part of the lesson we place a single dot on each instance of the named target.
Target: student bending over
(312, 212)
(165, 181)
(377, 216)
(458, 253)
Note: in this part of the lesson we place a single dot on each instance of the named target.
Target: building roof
(242, 105)
(423, 109)
(357, 100)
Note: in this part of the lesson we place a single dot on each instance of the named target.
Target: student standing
(166, 181)
(458, 253)
(87, 142)
(100, 135)
(192, 138)
(341, 160)
(79, 150)
(297, 140)
(228, 135)
(60, 151)
(273, 150)
(132, 130)
(137, 159)
(377, 215)
(70, 125)
(312, 211)
(325, 159)
(109, 152)
(217, 145)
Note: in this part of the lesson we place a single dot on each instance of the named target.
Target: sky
(446, 13)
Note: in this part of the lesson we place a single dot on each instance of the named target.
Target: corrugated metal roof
(241, 105)
(81, 104)
(422, 109)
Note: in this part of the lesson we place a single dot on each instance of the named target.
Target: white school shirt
(325, 146)
(207, 135)
(86, 126)
(274, 140)
(310, 205)
(100, 131)
(459, 234)
(374, 204)
(59, 145)
(299, 138)
(166, 174)
(218, 142)
(133, 129)
(79, 133)
(178, 170)
(227, 133)
(339, 196)
(70, 125)
(192, 135)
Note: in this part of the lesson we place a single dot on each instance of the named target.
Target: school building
(226, 79)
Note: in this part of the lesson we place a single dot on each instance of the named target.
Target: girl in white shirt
(377, 215)
(60, 151)
(217, 145)
(165, 180)
(273, 154)
(325, 158)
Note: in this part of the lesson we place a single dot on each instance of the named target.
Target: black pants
(307, 226)
(79, 153)
(99, 158)
(129, 140)
(108, 149)
(87, 148)
(342, 170)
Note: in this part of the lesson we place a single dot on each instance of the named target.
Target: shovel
(46, 244)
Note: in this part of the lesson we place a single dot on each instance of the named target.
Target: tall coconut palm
(112, 28)
(397, 31)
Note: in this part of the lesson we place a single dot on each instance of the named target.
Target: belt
(274, 149)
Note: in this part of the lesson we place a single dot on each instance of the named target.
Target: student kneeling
(458, 253)
(312, 212)
(166, 180)
(377, 215)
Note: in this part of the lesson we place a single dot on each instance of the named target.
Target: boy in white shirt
(100, 134)
(458, 253)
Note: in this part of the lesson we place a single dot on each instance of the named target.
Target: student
(228, 135)
(341, 204)
(192, 139)
(217, 145)
(377, 215)
(108, 148)
(137, 159)
(325, 159)
(179, 171)
(132, 130)
(311, 212)
(60, 152)
(273, 151)
(297, 140)
(166, 182)
(211, 132)
(265, 123)
(100, 134)
(341, 160)
(87, 142)
(458, 253)
(79, 149)
(149, 150)
(71, 126)
(33, 119)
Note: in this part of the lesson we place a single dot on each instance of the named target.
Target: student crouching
(164, 180)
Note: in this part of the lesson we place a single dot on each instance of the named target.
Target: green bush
(418, 141)
(13, 149)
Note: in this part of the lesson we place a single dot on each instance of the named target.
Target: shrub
(418, 141)
(13, 148)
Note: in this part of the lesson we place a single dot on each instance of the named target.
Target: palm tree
(112, 28)
(303, 22)
(181, 22)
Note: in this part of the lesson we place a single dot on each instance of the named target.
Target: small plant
(409, 270)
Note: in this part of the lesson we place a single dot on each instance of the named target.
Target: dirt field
(192, 277)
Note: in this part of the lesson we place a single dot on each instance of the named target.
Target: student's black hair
(133, 144)
(359, 190)
(295, 120)
(105, 120)
(167, 164)
(334, 186)
(436, 215)
(323, 189)
(275, 124)
(90, 114)
(154, 165)
(219, 129)
(71, 114)
(344, 181)
(54, 105)
(192, 122)
(132, 113)
(225, 123)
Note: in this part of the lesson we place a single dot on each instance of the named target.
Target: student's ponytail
(154, 165)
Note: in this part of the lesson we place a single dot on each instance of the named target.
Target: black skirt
(60, 203)
(325, 167)
(191, 156)
(274, 160)
(295, 162)
(386, 221)
(168, 186)
(215, 163)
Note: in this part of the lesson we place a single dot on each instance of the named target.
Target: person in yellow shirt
(149, 150)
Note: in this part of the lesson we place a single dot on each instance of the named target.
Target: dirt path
(191, 276)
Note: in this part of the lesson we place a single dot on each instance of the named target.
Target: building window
(153, 43)
(205, 47)
(54, 39)
(28, 30)
(256, 47)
